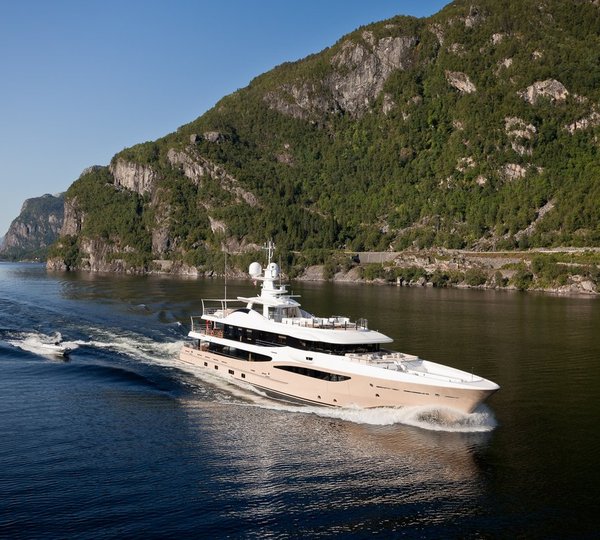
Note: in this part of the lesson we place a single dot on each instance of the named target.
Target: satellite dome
(255, 269)
(273, 270)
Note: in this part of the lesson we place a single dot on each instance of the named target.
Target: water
(118, 441)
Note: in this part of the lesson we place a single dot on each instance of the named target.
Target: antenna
(269, 248)
(225, 279)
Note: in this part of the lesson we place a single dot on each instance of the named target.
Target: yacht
(271, 343)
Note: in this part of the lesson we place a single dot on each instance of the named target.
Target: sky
(82, 79)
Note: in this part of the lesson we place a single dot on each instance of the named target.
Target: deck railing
(333, 323)
(199, 325)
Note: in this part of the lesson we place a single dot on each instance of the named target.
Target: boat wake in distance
(51, 346)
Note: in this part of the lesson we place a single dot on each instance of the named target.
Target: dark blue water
(119, 442)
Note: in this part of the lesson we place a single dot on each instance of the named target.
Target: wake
(166, 354)
(432, 419)
(482, 420)
(40, 344)
(134, 345)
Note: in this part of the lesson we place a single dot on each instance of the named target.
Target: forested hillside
(35, 228)
(475, 128)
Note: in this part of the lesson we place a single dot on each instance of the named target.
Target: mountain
(37, 226)
(475, 128)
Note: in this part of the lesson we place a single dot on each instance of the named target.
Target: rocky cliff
(475, 128)
(37, 226)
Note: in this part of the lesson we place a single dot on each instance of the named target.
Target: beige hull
(359, 391)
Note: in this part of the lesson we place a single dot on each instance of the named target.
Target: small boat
(53, 346)
(269, 342)
(56, 349)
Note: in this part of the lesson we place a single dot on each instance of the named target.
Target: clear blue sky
(82, 79)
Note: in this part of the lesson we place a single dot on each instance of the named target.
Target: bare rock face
(303, 100)
(438, 31)
(505, 63)
(592, 120)
(460, 81)
(195, 167)
(513, 171)
(388, 104)
(161, 240)
(497, 38)
(474, 17)
(35, 228)
(313, 273)
(213, 136)
(56, 264)
(133, 176)
(465, 163)
(520, 134)
(457, 48)
(549, 206)
(100, 256)
(360, 70)
(550, 88)
(217, 225)
(73, 218)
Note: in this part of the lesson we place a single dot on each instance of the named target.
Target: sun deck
(222, 309)
(411, 364)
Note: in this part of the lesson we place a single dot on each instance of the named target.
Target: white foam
(430, 418)
(135, 345)
(41, 344)
(166, 354)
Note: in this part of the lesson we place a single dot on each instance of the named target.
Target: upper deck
(277, 311)
(218, 310)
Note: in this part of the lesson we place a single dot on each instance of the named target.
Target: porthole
(231, 372)
(205, 364)
(243, 375)
(216, 367)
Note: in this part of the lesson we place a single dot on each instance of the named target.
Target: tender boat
(56, 349)
(269, 342)
(57, 346)
(52, 346)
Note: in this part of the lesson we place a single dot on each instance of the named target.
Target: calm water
(119, 442)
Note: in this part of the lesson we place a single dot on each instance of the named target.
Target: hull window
(314, 373)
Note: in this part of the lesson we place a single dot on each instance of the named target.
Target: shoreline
(560, 271)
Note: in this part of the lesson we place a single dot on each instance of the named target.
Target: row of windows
(238, 354)
(260, 337)
(230, 371)
(315, 373)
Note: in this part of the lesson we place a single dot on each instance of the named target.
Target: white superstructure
(271, 343)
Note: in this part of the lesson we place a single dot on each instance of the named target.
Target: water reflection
(276, 465)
